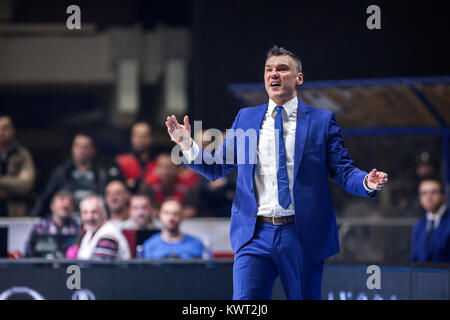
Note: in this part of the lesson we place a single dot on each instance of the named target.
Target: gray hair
(280, 51)
(100, 200)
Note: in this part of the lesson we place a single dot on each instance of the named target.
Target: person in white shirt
(103, 240)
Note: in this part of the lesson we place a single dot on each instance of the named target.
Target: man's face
(141, 138)
(116, 196)
(92, 214)
(166, 170)
(281, 78)
(62, 206)
(141, 211)
(431, 197)
(6, 131)
(424, 169)
(171, 215)
(83, 150)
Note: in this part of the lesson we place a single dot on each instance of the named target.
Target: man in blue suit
(282, 219)
(431, 234)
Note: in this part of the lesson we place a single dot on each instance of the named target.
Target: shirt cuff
(192, 153)
(365, 185)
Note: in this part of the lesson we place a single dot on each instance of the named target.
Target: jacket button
(253, 214)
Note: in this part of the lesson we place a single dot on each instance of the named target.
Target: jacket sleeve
(413, 256)
(213, 167)
(340, 166)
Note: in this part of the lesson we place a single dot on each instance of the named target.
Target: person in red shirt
(137, 164)
(168, 181)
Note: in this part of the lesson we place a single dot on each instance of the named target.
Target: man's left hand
(376, 179)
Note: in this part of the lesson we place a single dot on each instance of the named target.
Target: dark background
(230, 39)
(330, 37)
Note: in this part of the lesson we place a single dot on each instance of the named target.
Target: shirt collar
(290, 106)
(437, 216)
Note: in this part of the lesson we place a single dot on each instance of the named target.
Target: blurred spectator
(425, 166)
(59, 223)
(213, 198)
(117, 200)
(17, 172)
(81, 175)
(170, 243)
(404, 192)
(192, 179)
(102, 240)
(167, 181)
(137, 164)
(141, 212)
(431, 234)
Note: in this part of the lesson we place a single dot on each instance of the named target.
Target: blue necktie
(284, 196)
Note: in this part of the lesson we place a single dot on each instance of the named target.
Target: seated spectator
(167, 181)
(141, 212)
(60, 222)
(81, 175)
(213, 198)
(170, 242)
(102, 240)
(404, 193)
(137, 164)
(17, 172)
(431, 234)
(117, 200)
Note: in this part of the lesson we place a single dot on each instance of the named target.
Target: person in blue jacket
(282, 219)
(431, 234)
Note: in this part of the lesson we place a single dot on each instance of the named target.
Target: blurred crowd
(133, 207)
(89, 209)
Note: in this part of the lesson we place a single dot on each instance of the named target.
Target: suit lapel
(441, 227)
(301, 133)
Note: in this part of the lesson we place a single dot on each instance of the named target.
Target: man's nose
(274, 75)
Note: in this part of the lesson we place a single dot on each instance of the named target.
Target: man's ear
(299, 78)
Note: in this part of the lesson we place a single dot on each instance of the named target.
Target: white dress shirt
(436, 218)
(265, 178)
(266, 184)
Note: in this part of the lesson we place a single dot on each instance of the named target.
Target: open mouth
(275, 84)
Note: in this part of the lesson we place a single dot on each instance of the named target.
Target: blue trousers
(274, 250)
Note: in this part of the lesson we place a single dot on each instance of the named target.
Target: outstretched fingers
(186, 122)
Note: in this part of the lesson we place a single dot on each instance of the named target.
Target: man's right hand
(181, 134)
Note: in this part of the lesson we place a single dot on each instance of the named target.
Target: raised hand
(181, 134)
(376, 179)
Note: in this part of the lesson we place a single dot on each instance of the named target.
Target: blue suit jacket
(319, 151)
(439, 242)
